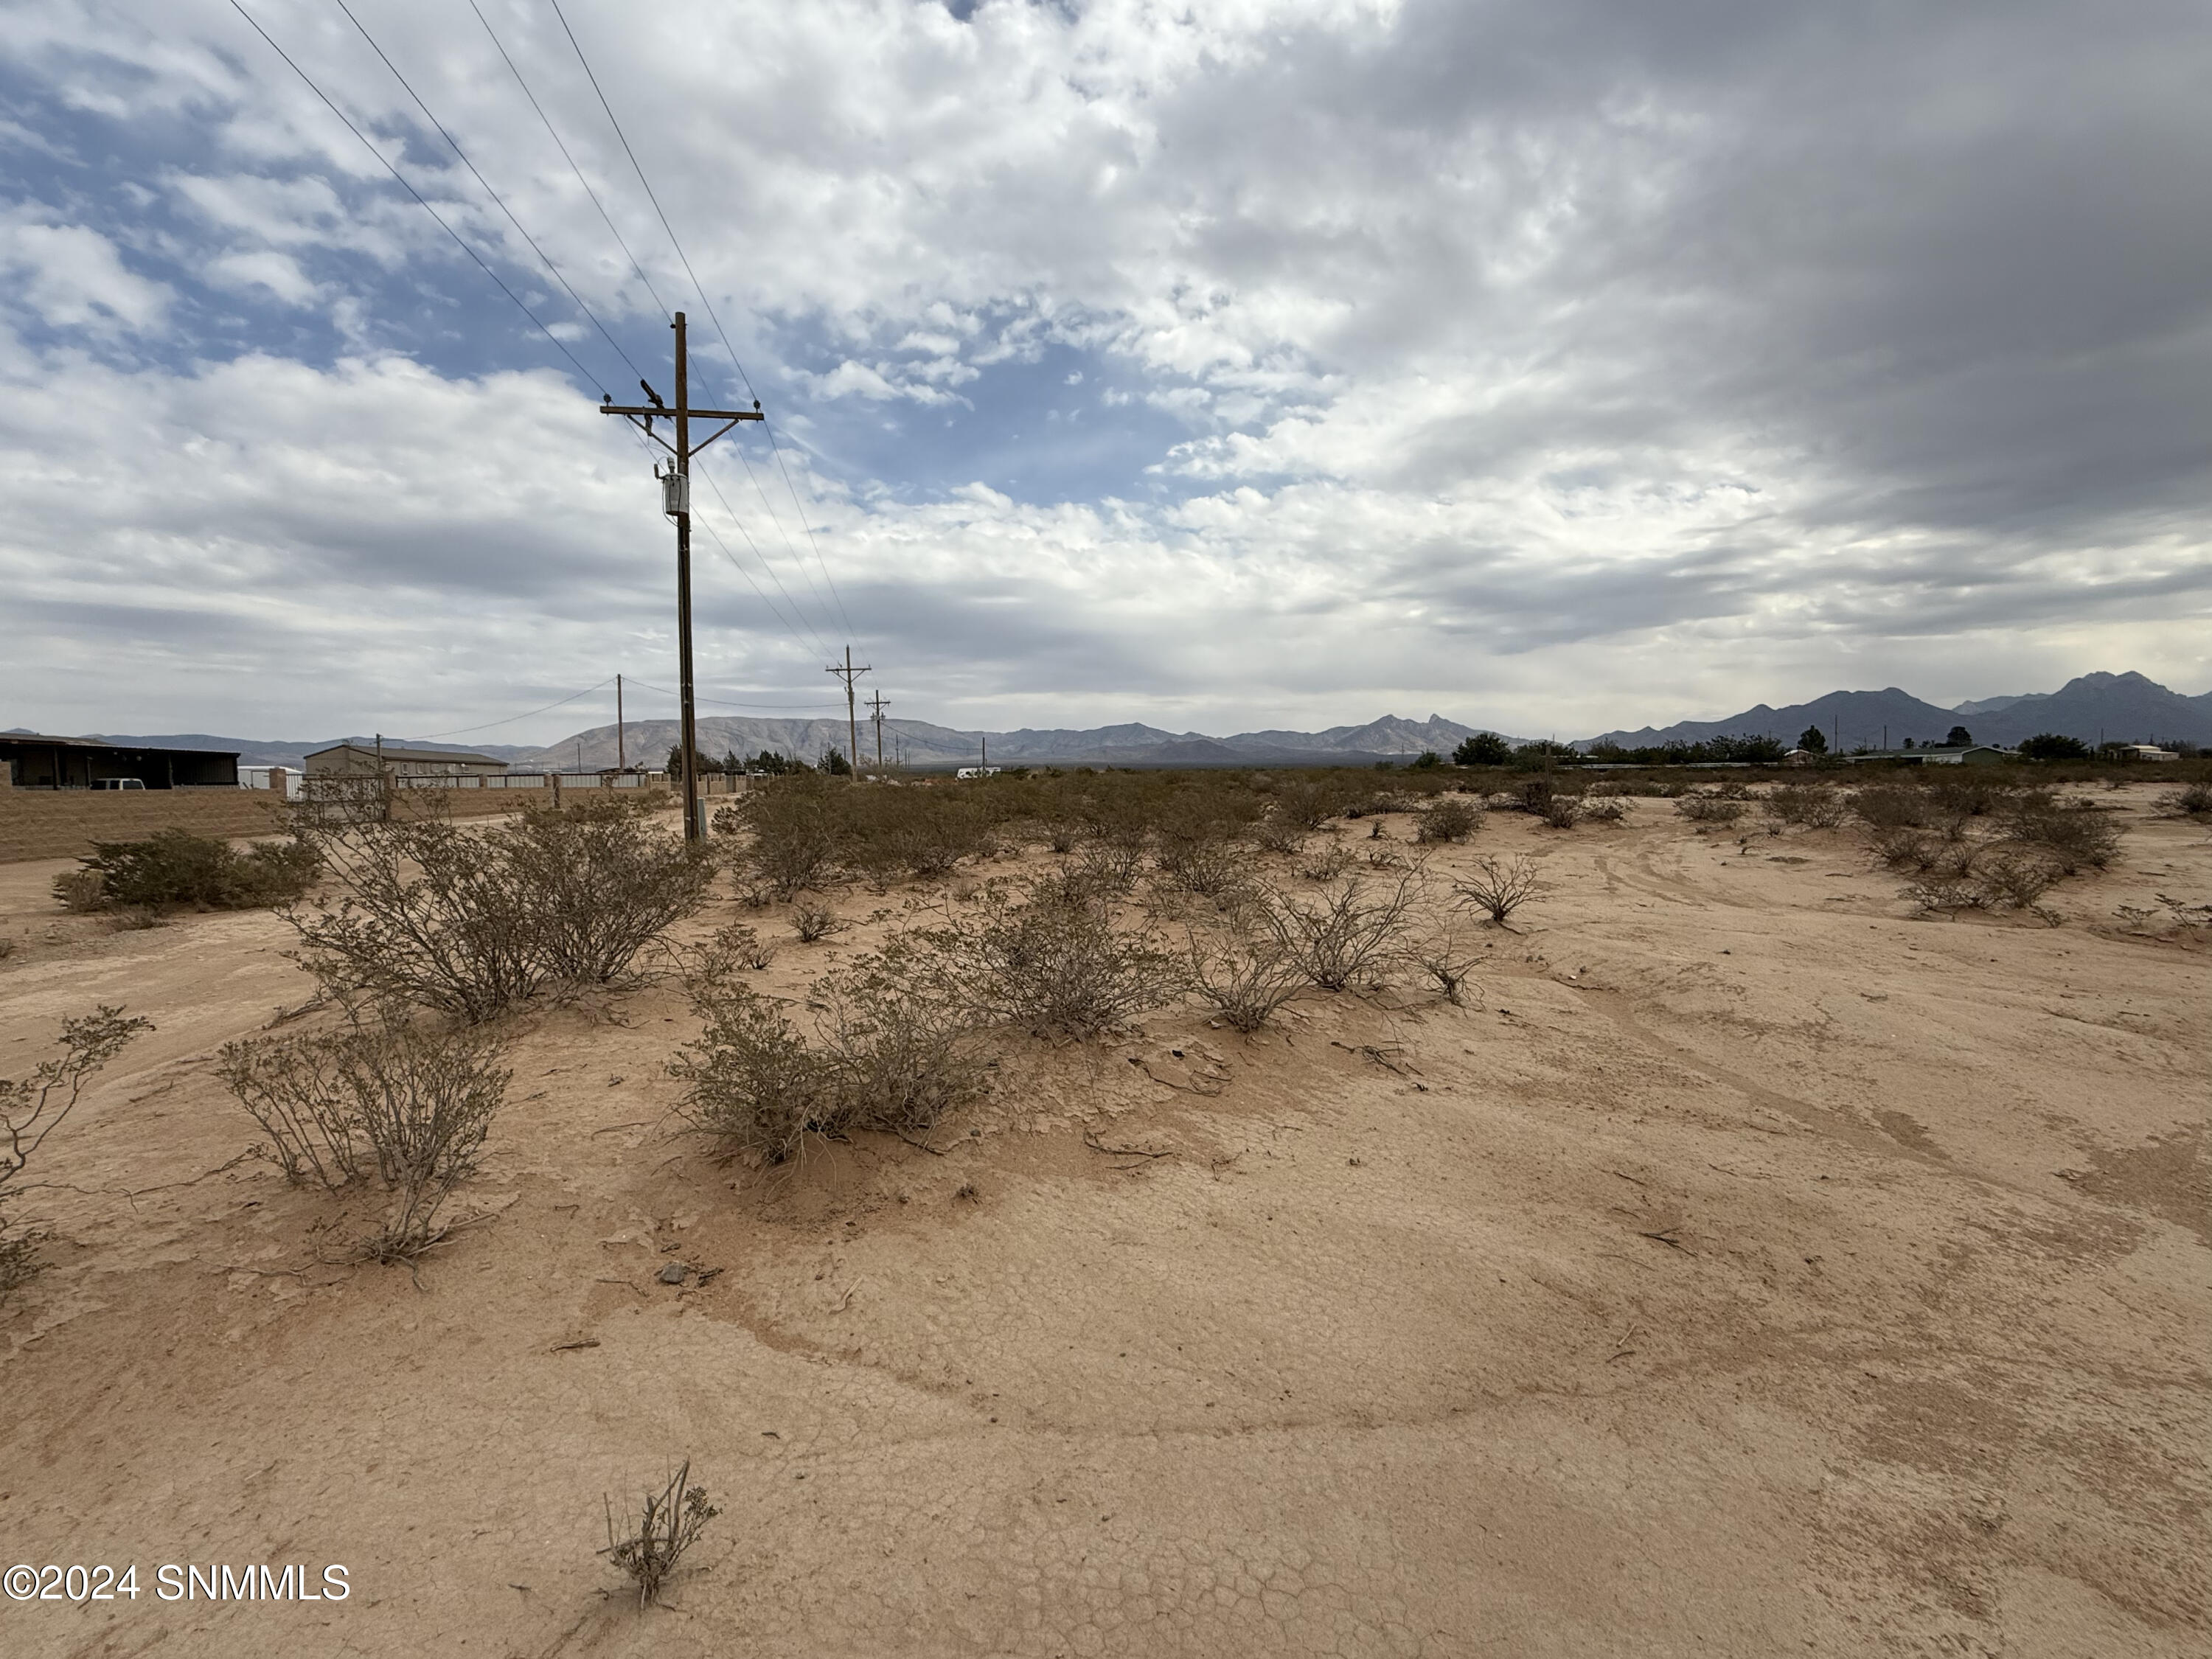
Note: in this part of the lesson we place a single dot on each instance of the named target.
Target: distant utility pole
(876, 703)
(676, 504)
(852, 716)
(622, 756)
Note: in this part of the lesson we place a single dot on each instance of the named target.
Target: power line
(555, 135)
(544, 258)
(713, 484)
(725, 702)
(460, 732)
(584, 374)
(715, 317)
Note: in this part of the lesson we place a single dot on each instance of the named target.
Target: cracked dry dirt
(1747, 1269)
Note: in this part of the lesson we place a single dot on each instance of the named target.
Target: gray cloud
(1528, 355)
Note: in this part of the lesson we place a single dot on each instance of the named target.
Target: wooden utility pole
(622, 756)
(676, 504)
(852, 717)
(876, 703)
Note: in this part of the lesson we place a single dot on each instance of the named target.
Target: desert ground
(1750, 1267)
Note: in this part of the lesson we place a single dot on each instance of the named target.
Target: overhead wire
(544, 258)
(463, 730)
(722, 333)
(554, 133)
(725, 702)
(584, 374)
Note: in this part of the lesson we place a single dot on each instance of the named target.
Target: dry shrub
(1246, 977)
(470, 923)
(604, 881)
(1499, 889)
(1892, 806)
(1280, 833)
(401, 1103)
(2014, 879)
(793, 841)
(1448, 818)
(33, 1106)
(1814, 805)
(1326, 865)
(814, 922)
(668, 1522)
(1924, 850)
(1443, 953)
(2075, 834)
(175, 870)
(81, 891)
(1563, 811)
(1938, 891)
(2193, 801)
(887, 1053)
(1201, 865)
(1604, 809)
(1711, 809)
(1347, 937)
(1051, 962)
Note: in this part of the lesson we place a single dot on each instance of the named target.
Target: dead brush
(667, 1523)
(1446, 956)
(1711, 809)
(33, 1106)
(1051, 962)
(889, 1052)
(1604, 809)
(1563, 811)
(1498, 888)
(1347, 936)
(815, 922)
(1813, 806)
(1245, 976)
(2193, 801)
(1326, 865)
(389, 1100)
(2076, 836)
(1281, 832)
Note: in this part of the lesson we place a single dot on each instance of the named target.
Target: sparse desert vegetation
(1077, 1114)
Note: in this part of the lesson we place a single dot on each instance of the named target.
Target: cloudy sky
(1549, 364)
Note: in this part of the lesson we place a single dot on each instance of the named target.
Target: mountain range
(918, 742)
(2122, 707)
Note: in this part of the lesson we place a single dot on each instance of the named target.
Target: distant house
(1970, 753)
(977, 772)
(33, 761)
(343, 760)
(2148, 751)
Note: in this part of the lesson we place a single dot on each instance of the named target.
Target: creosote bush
(1246, 977)
(668, 1522)
(388, 1100)
(471, 922)
(1348, 935)
(2075, 834)
(1711, 809)
(1498, 888)
(886, 1051)
(1051, 962)
(1563, 811)
(1448, 818)
(815, 922)
(33, 1106)
(175, 870)
(1814, 805)
(2193, 800)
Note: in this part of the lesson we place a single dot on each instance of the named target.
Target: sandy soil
(1748, 1268)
